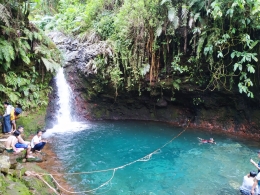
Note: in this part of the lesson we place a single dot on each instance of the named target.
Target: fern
(37, 36)
(23, 55)
(28, 33)
(13, 96)
(200, 45)
(7, 54)
(26, 45)
(12, 79)
(5, 15)
(50, 65)
(42, 50)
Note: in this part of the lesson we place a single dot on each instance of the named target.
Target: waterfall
(64, 93)
(65, 122)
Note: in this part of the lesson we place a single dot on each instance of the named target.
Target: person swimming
(204, 141)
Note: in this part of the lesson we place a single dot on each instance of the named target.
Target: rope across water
(143, 159)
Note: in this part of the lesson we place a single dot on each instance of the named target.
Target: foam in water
(65, 122)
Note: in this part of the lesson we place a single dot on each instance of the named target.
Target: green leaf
(250, 68)
(233, 55)
(236, 66)
(254, 44)
(220, 54)
(50, 64)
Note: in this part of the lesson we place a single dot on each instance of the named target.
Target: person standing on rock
(6, 119)
(37, 143)
(23, 144)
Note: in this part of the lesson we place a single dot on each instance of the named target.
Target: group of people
(251, 181)
(15, 143)
(9, 117)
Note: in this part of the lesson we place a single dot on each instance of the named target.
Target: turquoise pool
(182, 167)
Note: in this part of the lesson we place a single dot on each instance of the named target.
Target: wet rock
(71, 56)
(58, 37)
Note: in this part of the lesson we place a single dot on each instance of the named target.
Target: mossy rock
(15, 187)
(3, 184)
(32, 121)
(36, 185)
(34, 159)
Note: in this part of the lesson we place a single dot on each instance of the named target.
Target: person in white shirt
(37, 143)
(6, 119)
(248, 182)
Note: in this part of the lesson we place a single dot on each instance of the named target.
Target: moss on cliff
(32, 121)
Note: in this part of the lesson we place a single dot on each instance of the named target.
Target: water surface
(181, 167)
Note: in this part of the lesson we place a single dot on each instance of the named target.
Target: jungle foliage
(161, 44)
(27, 57)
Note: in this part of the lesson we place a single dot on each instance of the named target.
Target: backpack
(18, 111)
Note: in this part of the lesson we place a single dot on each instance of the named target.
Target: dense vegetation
(152, 45)
(27, 57)
(214, 44)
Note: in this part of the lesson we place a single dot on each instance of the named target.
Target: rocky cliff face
(216, 111)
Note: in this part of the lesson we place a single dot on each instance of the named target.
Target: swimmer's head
(211, 139)
(253, 173)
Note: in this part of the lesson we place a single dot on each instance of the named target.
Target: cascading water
(65, 122)
(64, 93)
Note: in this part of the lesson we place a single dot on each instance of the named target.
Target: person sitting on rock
(204, 141)
(10, 143)
(37, 142)
(23, 144)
